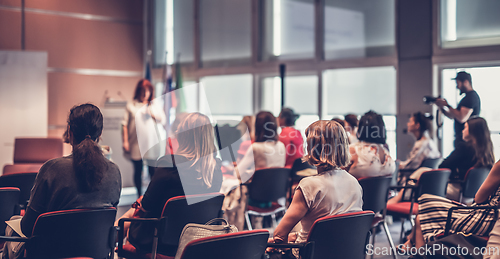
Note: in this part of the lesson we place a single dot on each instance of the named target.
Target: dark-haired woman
(267, 151)
(370, 156)
(84, 179)
(291, 137)
(139, 127)
(420, 127)
(433, 210)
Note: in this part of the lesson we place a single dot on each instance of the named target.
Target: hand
(126, 146)
(271, 249)
(440, 102)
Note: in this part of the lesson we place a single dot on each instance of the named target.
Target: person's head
(85, 123)
(287, 117)
(195, 135)
(266, 127)
(371, 128)
(419, 123)
(351, 122)
(339, 121)
(477, 133)
(464, 82)
(247, 123)
(327, 145)
(144, 91)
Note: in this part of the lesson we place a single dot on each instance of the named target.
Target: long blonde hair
(196, 140)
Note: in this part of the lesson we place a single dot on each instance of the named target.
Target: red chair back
(37, 150)
(73, 233)
(242, 245)
(341, 236)
(8, 198)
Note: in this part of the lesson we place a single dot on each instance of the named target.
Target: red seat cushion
(403, 208)
(274, 206)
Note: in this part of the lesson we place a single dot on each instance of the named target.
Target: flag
(147, 72)
(181, 100)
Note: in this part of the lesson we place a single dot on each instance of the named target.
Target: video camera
(430, 99)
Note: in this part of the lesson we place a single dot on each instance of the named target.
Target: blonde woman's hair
(327, 145)
(195, 135)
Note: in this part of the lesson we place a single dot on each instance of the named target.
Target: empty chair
(339, 236)
(375, 199)
(31, 153)
(474, 178)
(241, 245)
(177, 212)
(431, 182)
(431, 163)
(8, 199)
(71, 233)
(23, 181)
(267, 186)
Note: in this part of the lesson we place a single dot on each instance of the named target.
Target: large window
(358, 90)
(226, 97)
(225, 31)
(358, 29)
(289, 29)
(467, 23)
(483, 79)
(301, 94)
(174, 31)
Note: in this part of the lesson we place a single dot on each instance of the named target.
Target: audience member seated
(476, 151)
(193, 169)
(84, 179)
(333, 191)
(340, 121)
(267, 151)
(351, 127)
(433, 211)
(420, 126)
(247, 124)
(291, 137)
(370, 156)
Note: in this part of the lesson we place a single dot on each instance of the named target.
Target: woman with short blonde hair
(333, 191)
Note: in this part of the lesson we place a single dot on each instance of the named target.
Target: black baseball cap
(462, 76)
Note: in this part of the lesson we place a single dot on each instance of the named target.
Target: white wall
(23, 98)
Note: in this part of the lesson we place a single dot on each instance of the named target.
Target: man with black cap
(469, 106)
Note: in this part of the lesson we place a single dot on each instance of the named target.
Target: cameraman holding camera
(469, 106)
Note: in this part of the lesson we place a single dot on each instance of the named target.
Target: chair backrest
(341, 236)
(23, 181)
(8, 198)
(433, 182)
(73, 233)
(19, 168)
(241, 245)
(375, 192)
(177, 213)
(299, 165)
(431, 163)
(474, 178)
(37, 150)
(269, 184)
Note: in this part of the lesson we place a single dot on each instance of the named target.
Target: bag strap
(217, 220)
